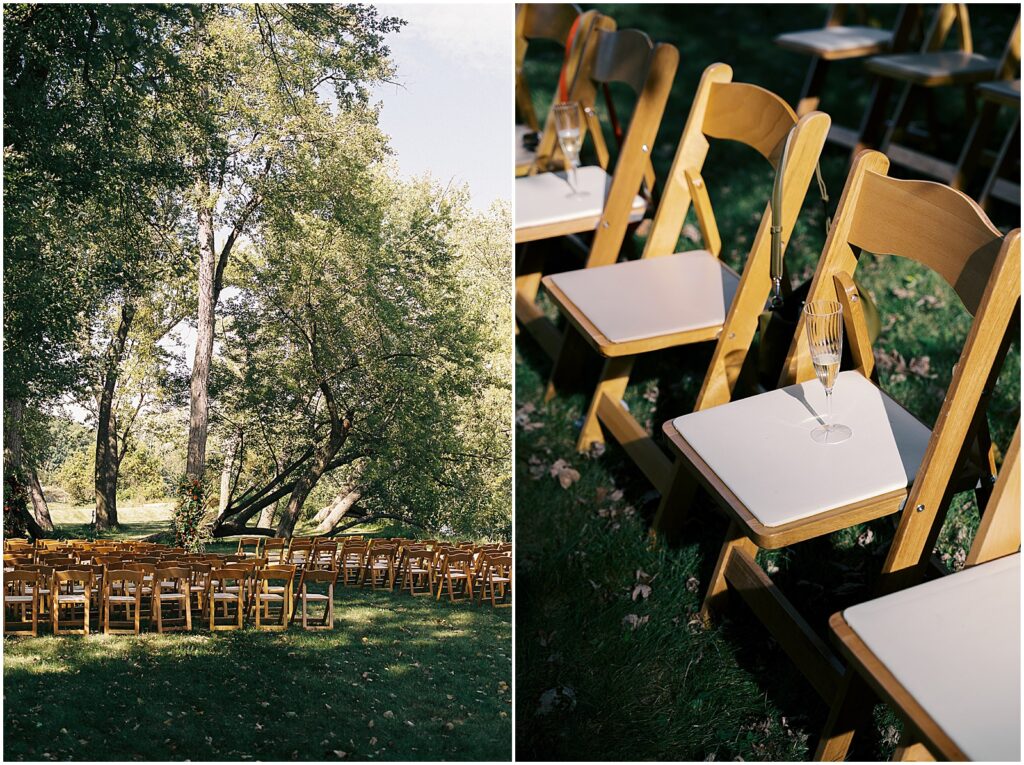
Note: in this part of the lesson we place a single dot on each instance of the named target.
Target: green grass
(590, 684)
(399, 678)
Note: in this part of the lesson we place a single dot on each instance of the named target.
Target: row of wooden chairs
(222, 590)
(894, 466)
(942, 60)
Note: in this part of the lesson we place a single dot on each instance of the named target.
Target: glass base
(831, 434)
(573, 194)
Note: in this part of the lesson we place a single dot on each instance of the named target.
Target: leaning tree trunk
(199, 401)
(319, 465)
(106, 435)
(337, 510)
(38, 520)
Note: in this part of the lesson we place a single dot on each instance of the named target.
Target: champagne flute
(824, 321)
(570, 137)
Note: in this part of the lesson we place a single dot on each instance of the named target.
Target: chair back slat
(999, 531)
(931, 224)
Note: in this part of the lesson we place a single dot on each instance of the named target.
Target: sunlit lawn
(397, 679)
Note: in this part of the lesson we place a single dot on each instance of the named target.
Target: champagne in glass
(570, 137)
(824, 322)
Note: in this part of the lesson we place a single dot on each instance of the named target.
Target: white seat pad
(835, 39)
(657, 296)
(523, 155)
(937, 64)
(954, 644)
(1009, 89)
(761, 448)
(547, 198)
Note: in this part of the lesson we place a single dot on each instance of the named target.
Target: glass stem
(575, 184)
(828, 408)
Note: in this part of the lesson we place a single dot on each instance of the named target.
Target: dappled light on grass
(381, 685)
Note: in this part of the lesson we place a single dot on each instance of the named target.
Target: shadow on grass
(397, 678)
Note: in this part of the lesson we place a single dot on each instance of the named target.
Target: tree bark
(337, 510)
(199, 402)
(107, 461)
(307, 482)
(38, 521)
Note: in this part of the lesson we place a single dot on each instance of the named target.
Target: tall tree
(86, 88)
(280, 70)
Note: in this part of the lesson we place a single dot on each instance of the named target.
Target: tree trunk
(38, 520)
(225, 481)
(307, 482)
(106, 436)
(267, 515)
(39, 507)
(200, 405)
(337, 510)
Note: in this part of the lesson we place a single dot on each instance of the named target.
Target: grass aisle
(397, 679)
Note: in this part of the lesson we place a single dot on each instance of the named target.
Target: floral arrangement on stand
(189, 512)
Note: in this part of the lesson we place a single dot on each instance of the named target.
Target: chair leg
(1012, 141)
(810, 97)
(981, 130)
(673, 509)
(613, 383)
(873, 124)
(717, 592)
(850, 709)
(901, 117)
(572, 356)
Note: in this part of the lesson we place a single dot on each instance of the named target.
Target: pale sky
(453, 112)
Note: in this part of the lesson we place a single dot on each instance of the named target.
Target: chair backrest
(223, 577)
(15, 582)
(177, 574)
(999, 531)
(249, 544)
(750, 115)
(649, 68)
(276, 574)
(320, 575)
(546, 21)
(82, 576)
(325, 553)
(115, 578)
(948, 233)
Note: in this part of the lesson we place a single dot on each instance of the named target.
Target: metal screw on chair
(604, 224)
(854, 297)
(644, 149)
(920, 508)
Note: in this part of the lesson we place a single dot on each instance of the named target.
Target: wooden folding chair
(273, 597)
(70, 591)
(417, 571)
(666, 300)
(995, 95)
(495, 580)
(945, 654)
(275, 550)
(778, 487)
(564, 24)
(226, 588)
(605, 205)
(837, 41)
(456, 574)
(351, 561)
(325, 555)
(379, 567)
(21, 599)
(172, 586)
(300, 551)
(921, 73)
(122, 589)
(308, 595)
(251, 547)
